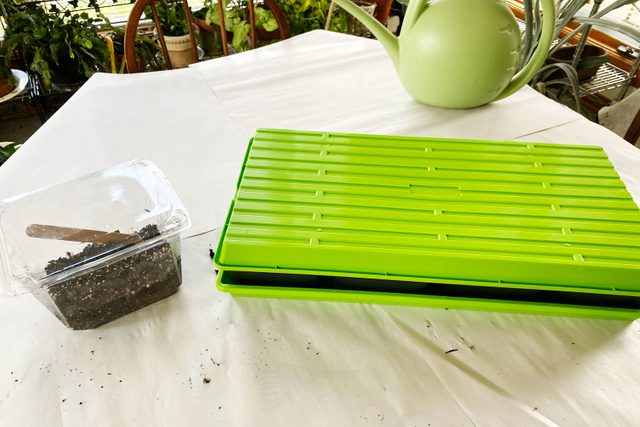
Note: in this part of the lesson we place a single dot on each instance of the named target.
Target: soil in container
(90, 299)
(6, 87)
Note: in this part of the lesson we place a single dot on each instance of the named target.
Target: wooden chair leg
(163, 44)
(192, 37)
(252, 25)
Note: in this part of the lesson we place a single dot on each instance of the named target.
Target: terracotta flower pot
(179, 48)
(6, 87)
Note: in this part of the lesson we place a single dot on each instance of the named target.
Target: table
(202, 357)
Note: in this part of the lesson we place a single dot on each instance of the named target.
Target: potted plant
(146, 49)
(560, 79)
(236, 21)
(7, 80)
(60, 47)
(175, 29)
(590, 60)
(210, 38)
(308, 15)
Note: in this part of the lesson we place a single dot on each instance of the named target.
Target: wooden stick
(192, 37)
(42, 231)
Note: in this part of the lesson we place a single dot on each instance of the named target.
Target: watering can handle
(539, 56)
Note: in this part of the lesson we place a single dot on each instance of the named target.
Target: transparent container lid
(131, 206)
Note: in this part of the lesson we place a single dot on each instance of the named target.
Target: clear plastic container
(96, 248)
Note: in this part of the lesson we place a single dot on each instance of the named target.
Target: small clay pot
(590, 61)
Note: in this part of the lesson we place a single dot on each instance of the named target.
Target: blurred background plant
(5, 69)
(62, 46)
(561, 80)
(236, 20)
(146, 48)
(308, 15)
(171, 16)
(7, 150)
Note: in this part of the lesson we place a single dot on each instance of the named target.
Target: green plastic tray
(500, 226)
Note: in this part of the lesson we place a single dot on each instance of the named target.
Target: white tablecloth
(202, 357)
(171, 118)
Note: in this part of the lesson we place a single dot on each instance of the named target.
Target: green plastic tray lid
(539, 216)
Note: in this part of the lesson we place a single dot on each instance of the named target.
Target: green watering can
(459, 53)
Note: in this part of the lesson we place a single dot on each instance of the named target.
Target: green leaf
(212, 16)
(616, 26)
(39, 32)
(240, 33)
(571, 81)
(271, 24)
(261, 15)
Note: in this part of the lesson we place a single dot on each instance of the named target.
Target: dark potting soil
(93, 298)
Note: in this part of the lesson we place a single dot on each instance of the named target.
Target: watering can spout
(384, 36)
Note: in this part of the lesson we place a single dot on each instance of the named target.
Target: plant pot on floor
(210, 38)
(66, 75)
(592, 58)
(179, 48)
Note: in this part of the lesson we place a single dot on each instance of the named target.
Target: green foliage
(236, 17)
(171, 16)
(47, 38)
(548, 78)
(5, 70)
(7, 150)
(567, 11)
(308, 15)
(146, 49)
